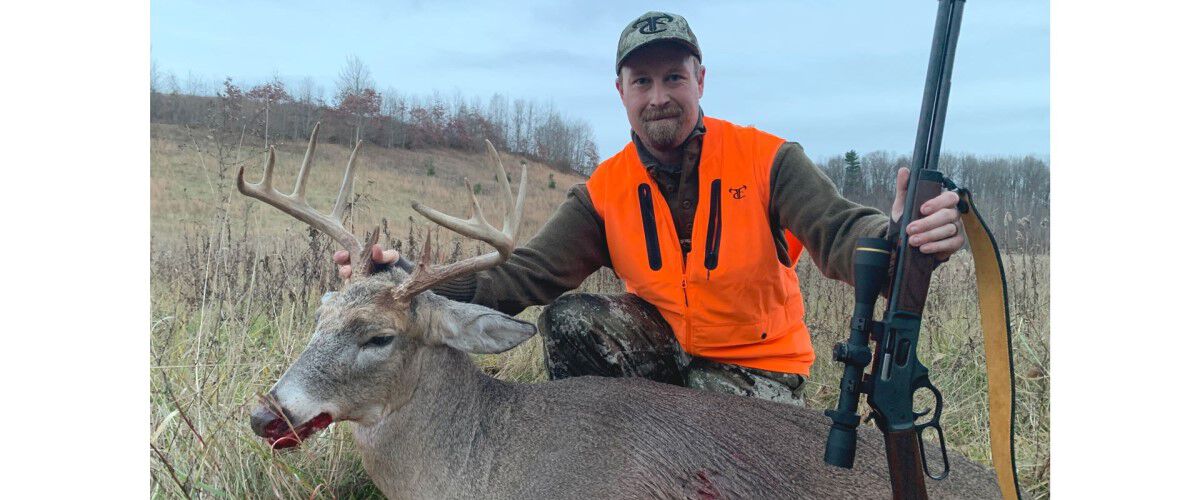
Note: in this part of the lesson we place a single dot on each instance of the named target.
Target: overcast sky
(832, 76)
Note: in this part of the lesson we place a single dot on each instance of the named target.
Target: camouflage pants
(625, 336)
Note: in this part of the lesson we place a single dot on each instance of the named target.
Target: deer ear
(473, 328)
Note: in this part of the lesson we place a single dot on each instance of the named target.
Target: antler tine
(364, 264)
(309, 153)
(512, 220)
(425, 275)
(269, 169)
(501, 176)
(515, 216)
(295, 206)
(339, 206)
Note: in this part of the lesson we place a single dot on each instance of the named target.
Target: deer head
(358, 362)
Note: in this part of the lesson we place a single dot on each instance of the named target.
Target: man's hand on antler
(379, 256)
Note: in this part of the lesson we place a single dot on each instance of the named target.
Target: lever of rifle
(935, 423)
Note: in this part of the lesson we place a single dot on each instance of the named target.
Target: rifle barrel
(931, 122)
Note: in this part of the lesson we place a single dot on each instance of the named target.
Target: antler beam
(426, 275)
(296, 206)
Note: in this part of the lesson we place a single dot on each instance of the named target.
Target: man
(704, 221)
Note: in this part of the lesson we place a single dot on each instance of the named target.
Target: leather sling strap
(997, 335)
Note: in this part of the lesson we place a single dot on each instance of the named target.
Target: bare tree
(155, 77)
(267, 95)
(394, 108)
(354, 77)
(195, 85)
(356, 93)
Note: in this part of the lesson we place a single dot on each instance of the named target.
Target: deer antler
(296, 206)
(425, 275)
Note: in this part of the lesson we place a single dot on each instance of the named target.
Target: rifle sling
(997, 335)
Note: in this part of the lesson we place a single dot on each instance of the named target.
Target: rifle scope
(871, 258)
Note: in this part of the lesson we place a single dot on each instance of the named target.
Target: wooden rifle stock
(904, 458)
(918, 266)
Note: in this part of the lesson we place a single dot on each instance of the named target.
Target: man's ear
(620, 91)
(472, 328)
(700, 79)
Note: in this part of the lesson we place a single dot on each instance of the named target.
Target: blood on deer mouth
(281, 436)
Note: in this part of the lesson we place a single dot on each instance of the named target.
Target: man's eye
(380, 341)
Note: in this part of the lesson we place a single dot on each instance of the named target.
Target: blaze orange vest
(731, 300)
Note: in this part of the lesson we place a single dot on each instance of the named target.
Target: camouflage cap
(653, 27)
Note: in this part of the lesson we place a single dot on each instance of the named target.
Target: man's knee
(571, 315)
(608, 335)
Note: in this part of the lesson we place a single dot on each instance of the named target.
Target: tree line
(358, 110)
(1013, 193)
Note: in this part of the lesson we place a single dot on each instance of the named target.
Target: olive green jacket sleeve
(805, 202)
(564, 252)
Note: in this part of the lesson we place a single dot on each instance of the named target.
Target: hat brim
(678, 41)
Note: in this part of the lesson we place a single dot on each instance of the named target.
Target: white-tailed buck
(390, 357)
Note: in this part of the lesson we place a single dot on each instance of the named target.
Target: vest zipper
(687, 309)
(685, 296)
(712, 242)
(649, 227)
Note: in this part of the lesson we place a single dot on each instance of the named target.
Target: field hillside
(234, 283)
(188, 187)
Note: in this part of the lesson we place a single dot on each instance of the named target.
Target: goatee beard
(661, 133)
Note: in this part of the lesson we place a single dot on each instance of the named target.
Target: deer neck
(422, 435)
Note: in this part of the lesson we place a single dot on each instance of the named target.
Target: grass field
(234, 282)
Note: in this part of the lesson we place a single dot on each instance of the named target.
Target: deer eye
(380, 341)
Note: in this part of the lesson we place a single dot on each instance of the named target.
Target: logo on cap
(651, 25)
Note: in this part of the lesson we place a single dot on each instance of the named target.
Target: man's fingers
(932, 235)
(939, 218)
(901, 191)
(341, 257)
(902, 181)
(381, 256)
(945, 200)
(946, 246)
(344, 272)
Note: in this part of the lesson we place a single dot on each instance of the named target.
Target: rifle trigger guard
(941, 444)
(935, 423)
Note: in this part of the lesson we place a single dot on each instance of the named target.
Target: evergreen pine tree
(853, 185)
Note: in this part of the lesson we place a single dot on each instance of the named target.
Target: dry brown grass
(234, 283)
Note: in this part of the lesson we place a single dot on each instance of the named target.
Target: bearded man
(704, 220)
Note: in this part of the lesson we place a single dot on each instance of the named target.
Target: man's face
(661, 92)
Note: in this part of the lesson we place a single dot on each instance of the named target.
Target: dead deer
(390, 358)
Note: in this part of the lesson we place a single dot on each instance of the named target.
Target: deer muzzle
(280, 430)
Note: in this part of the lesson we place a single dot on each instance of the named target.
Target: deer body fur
(464, 434)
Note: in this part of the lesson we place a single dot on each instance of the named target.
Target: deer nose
(266, 421)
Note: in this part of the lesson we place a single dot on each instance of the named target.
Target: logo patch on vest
(738, 192)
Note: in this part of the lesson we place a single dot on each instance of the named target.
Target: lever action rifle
(896, 372)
